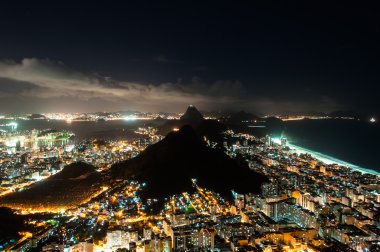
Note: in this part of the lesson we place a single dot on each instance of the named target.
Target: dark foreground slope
(169, 166)
(68, 188)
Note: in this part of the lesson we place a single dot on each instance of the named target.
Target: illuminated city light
(13, 125)
(124, 207)
(130, 118)
(121, 169)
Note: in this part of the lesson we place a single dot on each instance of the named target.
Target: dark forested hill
(168, 167)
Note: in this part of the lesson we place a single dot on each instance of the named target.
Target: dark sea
(116, 129)
(352, 141)
(355, 142)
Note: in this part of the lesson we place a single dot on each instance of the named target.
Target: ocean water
(349, 141)
(117, 129)
(354, 142)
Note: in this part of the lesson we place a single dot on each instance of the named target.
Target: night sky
(263, 57)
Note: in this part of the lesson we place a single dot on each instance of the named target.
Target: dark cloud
(14, 87)
(34, 85)
(252, 55)
(45, 81)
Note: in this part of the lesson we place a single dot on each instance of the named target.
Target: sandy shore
(331, 160)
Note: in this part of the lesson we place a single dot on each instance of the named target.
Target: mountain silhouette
(169, 165)
(192, 115)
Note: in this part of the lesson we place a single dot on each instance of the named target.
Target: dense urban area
(305, 204)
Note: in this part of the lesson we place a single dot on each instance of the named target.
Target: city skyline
(196, 189)
(262, 58)
(185, 126)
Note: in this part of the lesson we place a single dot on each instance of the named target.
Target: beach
(331, 160)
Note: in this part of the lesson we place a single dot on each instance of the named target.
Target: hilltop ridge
(169, 165)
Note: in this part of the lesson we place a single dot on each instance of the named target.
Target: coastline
(331, 160)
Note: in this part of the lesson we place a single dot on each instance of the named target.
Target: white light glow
(130, 118)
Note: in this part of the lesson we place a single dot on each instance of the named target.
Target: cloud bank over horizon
(35, 85)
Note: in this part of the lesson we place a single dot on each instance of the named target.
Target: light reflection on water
(117, 129)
